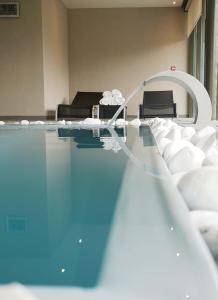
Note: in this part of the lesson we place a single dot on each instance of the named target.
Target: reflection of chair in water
(83, 137)
(87, 138)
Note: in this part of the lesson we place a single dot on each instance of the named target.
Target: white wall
(34, 69)
(108, 48)
(21, 64)
(121, 47)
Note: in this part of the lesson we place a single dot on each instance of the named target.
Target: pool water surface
(59, 190)
(94, 208)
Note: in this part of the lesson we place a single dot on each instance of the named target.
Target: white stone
(211, 160)
(157, 123)
(147, 122)
(202, 133)
(200, 188)
(177, 177)
(207, 223)
(173, 147)
(163, 133)
(15, 291)
(188, 132)
(186, 159)
(38, 123)
(135, 122)
(91, 121)
(121, 122)
(113, 124)
(157, 130)
(62, 122)
(24, 122)
(174, 134)
(162, 144)
(206, 143)
(169, 123)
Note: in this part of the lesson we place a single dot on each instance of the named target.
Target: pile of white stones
(87, 121)
(192, 158)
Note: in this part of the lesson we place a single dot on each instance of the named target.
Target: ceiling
(120, 3)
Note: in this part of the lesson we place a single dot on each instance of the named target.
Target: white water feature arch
(200, 97)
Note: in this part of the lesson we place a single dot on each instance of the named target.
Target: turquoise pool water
(93, 208)
(59, 190)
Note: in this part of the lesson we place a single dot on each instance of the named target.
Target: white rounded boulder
(188, 132)
(177, 177)
(207, 223)
(121, 122)
(186, 159)
(173, 147)
(174, 134)
(24, 122)
(161, 134)
(211, 160)
(162, 144)
(203, 133)
(199, 189)
(135, 122)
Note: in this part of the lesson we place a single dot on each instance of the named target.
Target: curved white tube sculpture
(200, 97)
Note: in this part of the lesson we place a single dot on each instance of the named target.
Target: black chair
(157, 104)
(81, 106)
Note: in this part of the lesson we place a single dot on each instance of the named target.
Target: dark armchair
(81, 107)
(157, 104)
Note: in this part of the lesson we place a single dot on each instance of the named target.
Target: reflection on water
(95, 138)
(59, 191)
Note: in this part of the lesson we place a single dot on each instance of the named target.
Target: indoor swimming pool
(93, 213)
